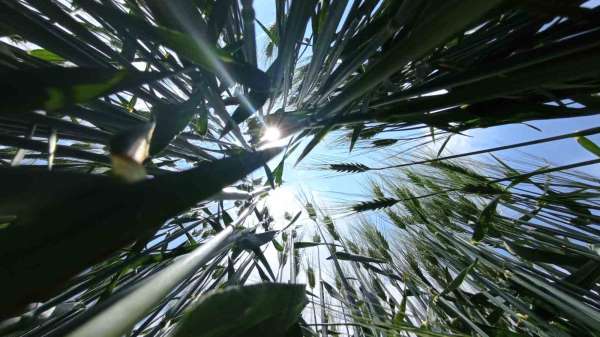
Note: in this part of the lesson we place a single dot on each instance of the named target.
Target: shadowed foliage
(131, 130)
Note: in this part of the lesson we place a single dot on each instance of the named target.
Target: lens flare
(271, 134)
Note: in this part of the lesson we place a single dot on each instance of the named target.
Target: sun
(271, 134)
(282, 200)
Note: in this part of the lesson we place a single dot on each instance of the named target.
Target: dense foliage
(122, 121)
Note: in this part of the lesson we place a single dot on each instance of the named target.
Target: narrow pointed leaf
(485, 220)
(589, 145)
(458, 280)
(313, 142)
(357, 258)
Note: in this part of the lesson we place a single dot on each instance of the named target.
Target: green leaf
(273, 37)
(195, 49)
(171, 120)
(201, 123)
(401, 314)
(278, 173)
(357, 258)
(426, 36)
(310, 275)
(218, 18)
(55, 88)
(313, 142)
(485, 220)
(46, 55)
(58, 213)
(586, 276)
(332, 292)
(443, 144)
(308, 244)
(355, 134)
(270, 177)
(277, 245)
(305, 244)
(589, 145)
(247, 107)
(458, 280)
(227, 219)
(294, 219)
(268, 309)
(547, 255)
(252, 241)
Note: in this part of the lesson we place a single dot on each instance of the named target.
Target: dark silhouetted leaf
(268, 309)
(357, 258)
(55, 88)
(458, 280)
(485, 220)
(93, 215)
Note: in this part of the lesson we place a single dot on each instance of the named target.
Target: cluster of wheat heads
(121, 121)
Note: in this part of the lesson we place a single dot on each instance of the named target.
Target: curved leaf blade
(268, 309)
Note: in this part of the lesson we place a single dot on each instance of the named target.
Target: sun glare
(271, 134)
(281, 200)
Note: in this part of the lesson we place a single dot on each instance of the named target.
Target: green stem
(124, 313)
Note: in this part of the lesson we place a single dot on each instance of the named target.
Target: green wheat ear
(199, 234)
(374, 204)
(349, 167)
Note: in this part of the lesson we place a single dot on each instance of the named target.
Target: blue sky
(323, 185)
(332, 191)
